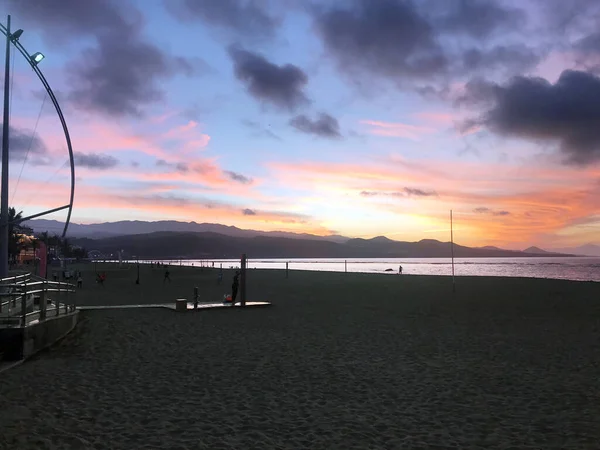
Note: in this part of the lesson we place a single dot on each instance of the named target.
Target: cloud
(281, 86)
(248, 212)
(480, 18)
(419, 192)
(416, 43)
(324, 126)
(98, 161)
(245, 17)
(123, 72)
(514, 58)
(405, 192)
(566, 113)
(483, 210)
(24, 143)
(180, 167)
(387, 37)
(391, 129)
(238, 177)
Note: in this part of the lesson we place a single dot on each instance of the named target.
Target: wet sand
(340, 361)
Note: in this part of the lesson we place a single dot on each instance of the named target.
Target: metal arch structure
(40, 75)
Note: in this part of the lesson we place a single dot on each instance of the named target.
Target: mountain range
(172, 239)
(129, 227)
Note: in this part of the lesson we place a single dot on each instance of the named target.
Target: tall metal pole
(452, 251)
(4, 187)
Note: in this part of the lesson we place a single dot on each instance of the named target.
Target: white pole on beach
(452, 251)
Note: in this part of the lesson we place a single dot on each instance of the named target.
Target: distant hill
(129, 227)
(535, 250)
(168, 244)
(583, 250)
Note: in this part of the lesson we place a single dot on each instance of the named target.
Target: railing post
(24, 306)
(43, 304)
(57, 302)
(74, 301)
(67, 299)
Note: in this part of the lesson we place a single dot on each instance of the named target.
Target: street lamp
(16, 35)
(33, 60)
(37, 57)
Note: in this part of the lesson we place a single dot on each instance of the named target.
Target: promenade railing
(27, 298)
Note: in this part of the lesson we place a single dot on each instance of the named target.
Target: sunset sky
(353, 117)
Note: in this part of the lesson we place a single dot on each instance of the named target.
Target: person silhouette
(234, 287)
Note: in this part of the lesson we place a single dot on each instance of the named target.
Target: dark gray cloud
(566, 113)
(248, 212)
(426, 41)
(419, 192)
(244, 17)
(61, 20)
(99, 161)
(479, 18)
(238, 177)
(281, 86)
(324, 125)
(483, 210)
(23, 141)
(175, 167)
(385, 36)
(25, 144)
(405, 192)
(513, 58)
(123, 72)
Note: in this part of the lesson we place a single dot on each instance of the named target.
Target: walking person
(167, 276)
(399, 270)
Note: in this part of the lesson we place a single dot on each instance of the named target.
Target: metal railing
(24, 299)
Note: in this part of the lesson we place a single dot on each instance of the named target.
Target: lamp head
(37, 57)
(16, 35)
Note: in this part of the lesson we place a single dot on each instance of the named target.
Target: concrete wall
(19, 343)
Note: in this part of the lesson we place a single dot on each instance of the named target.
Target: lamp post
(32, 60)
(4, 184)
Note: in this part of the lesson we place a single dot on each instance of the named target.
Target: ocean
(567, 268)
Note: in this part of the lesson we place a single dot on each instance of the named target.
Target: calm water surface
(568, 268)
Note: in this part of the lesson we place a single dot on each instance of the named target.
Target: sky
(352, 117)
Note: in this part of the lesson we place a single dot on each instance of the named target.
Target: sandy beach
(340, 361)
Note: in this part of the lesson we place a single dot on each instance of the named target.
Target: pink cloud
(396, 129)
(436, 118)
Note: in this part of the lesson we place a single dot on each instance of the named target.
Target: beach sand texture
(341, 361)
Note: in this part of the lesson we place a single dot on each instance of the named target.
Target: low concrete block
(23, 342)
(181, 304)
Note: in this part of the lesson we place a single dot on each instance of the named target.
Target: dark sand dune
(340, 361)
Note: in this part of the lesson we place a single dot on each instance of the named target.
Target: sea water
(567, 268)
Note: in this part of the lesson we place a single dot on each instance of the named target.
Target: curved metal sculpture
(15, 41)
